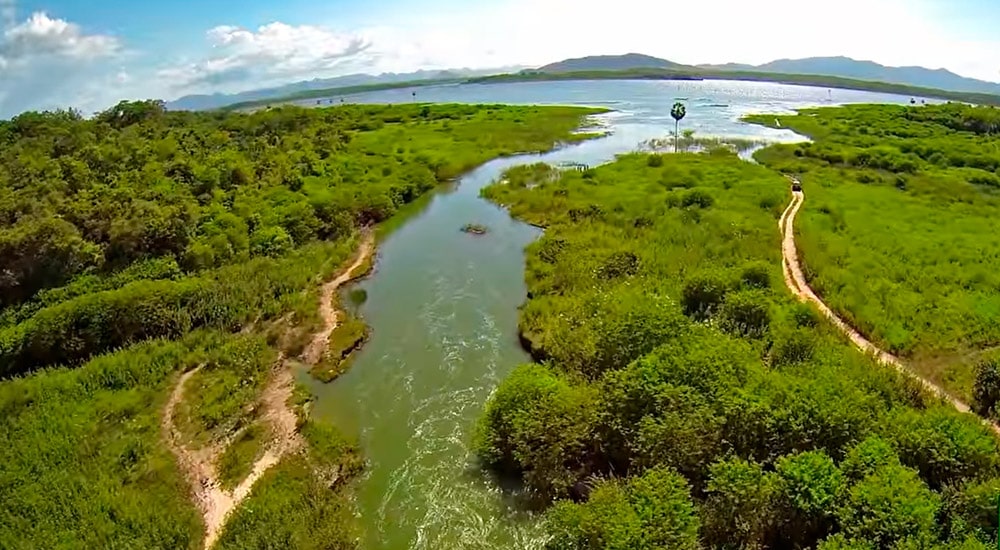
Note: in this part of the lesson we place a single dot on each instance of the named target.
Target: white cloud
(535, 32)
(41, 35)
(45, 62)
(274, 52)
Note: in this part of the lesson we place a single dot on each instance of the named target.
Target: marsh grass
(897, 231)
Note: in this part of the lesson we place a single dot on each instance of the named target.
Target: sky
(89, 55)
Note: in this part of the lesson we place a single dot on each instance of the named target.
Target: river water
(442, 305)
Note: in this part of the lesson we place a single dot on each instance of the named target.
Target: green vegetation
(750, 76)
(141, 244)
(293, 507)
(348, 337)
(475, 228)
(896, 230)
(686, 399)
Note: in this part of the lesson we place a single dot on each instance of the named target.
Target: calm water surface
(443, 309)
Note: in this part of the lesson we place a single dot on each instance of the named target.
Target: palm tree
(677, 111)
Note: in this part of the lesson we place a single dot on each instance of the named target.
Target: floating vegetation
(358, 296)
(689, 143)
(475, 229)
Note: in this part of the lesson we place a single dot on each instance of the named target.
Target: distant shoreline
(819, 81)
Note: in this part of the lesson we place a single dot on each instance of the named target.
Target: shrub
(697, 198)
(986, 391)
(703, 294)
(619, 264)
(794, 346)
(649, 512)
(740, 507)
(538, 426)
(809, 487)
(654, 161)
(756, 275)
(889, 505)
(746, 312)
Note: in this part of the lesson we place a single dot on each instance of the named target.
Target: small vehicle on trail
(796, 184)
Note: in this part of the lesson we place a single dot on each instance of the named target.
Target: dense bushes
(122, 235)
(695, 373)
(149, 224)
(649, 512)
(227, 298)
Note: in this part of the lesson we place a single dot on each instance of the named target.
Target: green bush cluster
(142, 223)
(694, 402)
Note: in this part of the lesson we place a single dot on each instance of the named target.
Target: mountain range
(200, 102)
(843, 67)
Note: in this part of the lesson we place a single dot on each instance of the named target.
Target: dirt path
(331, 317)
(796, 282)
(198, 465)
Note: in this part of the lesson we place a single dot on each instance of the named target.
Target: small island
(475, 229)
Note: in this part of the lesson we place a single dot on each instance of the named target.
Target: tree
(810, 485)
(678, 111)
(889, 505)
(986, 391)
(651, 512)
(739, 510)
(539, 425)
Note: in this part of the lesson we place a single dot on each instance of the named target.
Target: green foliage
(867, 457)
(291, 508)
(740, 508)
(697, 198)
(349, 335)
(692, 358)
(218, 399)
(944, 447)
(237, 460)
(92, 436)
(889, 505)
(652, 511)
(122, 235)
(810, 485)
(756, 275)
(539, 425)
(746, 312)
(900, 208)
(235, 199)
(703, 294)
(986, 392)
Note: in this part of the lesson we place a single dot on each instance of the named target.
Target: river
(442, 305)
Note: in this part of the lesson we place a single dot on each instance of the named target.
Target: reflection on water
(443, 308)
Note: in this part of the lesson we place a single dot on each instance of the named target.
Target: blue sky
(90, 54)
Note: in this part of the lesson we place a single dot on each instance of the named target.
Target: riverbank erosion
(686, 392)
(144, 334)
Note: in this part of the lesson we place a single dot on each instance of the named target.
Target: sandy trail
(198, 465)
(796, 282)
(331, 316)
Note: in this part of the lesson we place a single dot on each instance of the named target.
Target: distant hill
(842, 67)
(204, 102)
(611, 63)
(846, 67)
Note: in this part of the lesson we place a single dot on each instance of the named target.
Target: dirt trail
(198, 465)
(796, 282)
(331, 317)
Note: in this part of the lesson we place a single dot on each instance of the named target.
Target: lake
(442, 305)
